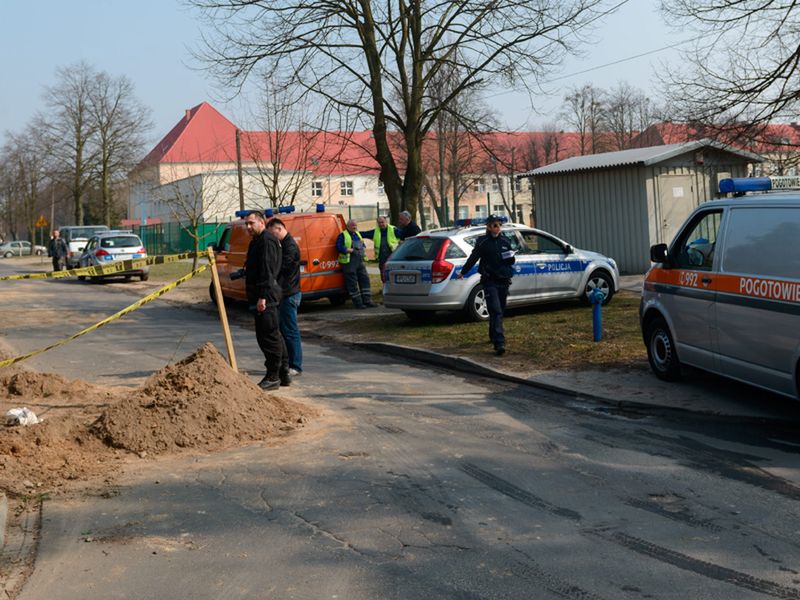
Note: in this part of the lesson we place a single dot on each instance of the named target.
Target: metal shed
(621, 203)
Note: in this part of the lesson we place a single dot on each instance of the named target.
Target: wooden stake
(223, 315)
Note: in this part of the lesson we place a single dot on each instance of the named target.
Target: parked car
(76, 237)
(112, 246)
(724, 296)
(421, 273)
(21, 248)
(315, 233)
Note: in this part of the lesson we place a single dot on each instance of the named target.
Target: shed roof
(635, 156)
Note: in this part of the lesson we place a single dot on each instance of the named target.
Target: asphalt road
(415, 483)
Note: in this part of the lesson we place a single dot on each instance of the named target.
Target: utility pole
(239, 167)
(513, 188)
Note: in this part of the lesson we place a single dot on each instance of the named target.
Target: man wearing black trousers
(261, 270)
(496, 258)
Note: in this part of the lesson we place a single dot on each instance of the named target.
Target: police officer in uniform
(496, 257)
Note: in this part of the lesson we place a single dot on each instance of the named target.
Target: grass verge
(551, 336)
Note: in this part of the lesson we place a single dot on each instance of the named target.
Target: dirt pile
(60, 449)
(198, 402)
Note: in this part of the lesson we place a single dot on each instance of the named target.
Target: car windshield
(83, 233)
(418, 248)
(120, 241)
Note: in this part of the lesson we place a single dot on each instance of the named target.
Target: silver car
(21, 248)
(421, 273)
(111, 246)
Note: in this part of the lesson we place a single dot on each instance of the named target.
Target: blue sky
(149, 41)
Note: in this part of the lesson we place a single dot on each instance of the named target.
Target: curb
(465, 365)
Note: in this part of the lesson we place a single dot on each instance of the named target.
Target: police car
(421, 275)
(724, 296)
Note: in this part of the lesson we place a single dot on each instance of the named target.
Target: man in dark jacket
(289, 280)
(262, 265)
(496, 258)
(408, 228)
(57, 249)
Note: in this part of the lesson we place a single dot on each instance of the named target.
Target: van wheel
(81, 277)
(598, 280)
(661, 351)
(338, 300)
(212, 293)
(144, 276)
(475, 309)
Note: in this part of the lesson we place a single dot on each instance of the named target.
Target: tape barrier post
(107, 320)
(223, 315)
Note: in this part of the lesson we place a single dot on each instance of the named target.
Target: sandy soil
(88, 432)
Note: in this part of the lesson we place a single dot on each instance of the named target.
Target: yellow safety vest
(344, 257)
(391, 239)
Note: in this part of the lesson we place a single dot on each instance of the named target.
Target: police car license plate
(405, 278)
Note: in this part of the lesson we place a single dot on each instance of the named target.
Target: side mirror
(568, 249)
(81, 248)
(659, 253)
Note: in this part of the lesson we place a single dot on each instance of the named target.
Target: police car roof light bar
(285, 210)
(741, 185)
(320, 208)
(480, 221)
(241, 214)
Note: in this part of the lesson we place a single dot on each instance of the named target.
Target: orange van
(315, 233)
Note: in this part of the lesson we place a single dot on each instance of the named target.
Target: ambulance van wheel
(661, 351)
(212, 293)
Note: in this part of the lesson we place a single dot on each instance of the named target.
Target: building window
(463, 212)
(517, 185)
(316, 189)
(479, 185)
(495, 184)
(346, 188)
(381, 189)
(480, 211)
(498, 209)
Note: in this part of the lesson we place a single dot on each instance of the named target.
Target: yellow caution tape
(110, 269)
(107, 320)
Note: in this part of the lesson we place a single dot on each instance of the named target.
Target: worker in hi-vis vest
(350, 245)
(386, 238)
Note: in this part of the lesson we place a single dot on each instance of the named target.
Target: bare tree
(119, 122)
(628, 112)
(359, 55)
(191, 200)
(744, 68)
(69, 127)
(550, 143)
(585, 113)
(282, 156)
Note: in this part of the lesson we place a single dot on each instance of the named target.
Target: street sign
(41, 222)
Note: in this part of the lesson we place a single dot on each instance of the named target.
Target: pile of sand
(198, 403)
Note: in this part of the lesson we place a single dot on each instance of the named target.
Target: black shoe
(269, 384)
(371, 305)
(285, 379)
(499, 350)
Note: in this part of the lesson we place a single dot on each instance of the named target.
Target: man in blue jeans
(289, 280)
(496, 256)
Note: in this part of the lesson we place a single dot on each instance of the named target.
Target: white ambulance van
(725, 295)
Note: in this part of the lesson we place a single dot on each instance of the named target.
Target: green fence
(171, 238)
